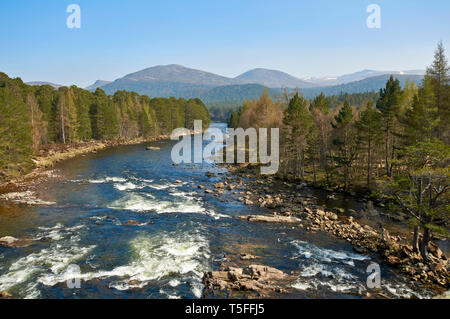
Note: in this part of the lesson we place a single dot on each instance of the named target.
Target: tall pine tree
(389, 105)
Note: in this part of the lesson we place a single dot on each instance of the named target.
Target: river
(134, 232)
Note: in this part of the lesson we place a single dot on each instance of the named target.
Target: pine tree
(345, 142)
(16, 144)
(389, 105)
(104, 121)
(370, 134)
(83, 101)
(440, 77)
(146, 118)
(321, 103)
(422, 119)
(299, 123)
(422, 191)
(321, 140)
(234, 120)
(38, 126)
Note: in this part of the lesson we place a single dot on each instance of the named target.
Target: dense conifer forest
(32, 117)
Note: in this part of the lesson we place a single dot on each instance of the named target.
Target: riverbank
(22, 189)
(126, 210)
(288, 203)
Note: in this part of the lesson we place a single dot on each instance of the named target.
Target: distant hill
(236, 94)
(178, 81)
(272, 79)
(44, 83)
(180, 74)
(157, 88)
(358, 76)
(97, 84)
(367, 85)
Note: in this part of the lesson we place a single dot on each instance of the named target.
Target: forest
(394, 144)
(222, 113)
(32, 117)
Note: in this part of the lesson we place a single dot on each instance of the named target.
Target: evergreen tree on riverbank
(16, 141)
(345, 142)
(439, 75)
(389, 106)
(298, 122)
(369, 135)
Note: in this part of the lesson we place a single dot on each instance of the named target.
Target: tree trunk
(386, 149)
(424, 244)
(391, 167)
(368, 164)
(302, 166)
(62, 126)
(345, 178)
(314, 171)
(416, 239)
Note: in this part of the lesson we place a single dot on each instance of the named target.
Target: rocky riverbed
(287, 204)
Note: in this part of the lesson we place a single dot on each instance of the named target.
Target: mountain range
(358, 76)
(179, 81)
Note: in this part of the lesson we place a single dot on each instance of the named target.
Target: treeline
(396, 143)
(355, 99)
(34, 116)
(222, 113)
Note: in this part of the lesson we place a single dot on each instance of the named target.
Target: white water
(27, 271)
(330, 269)
(154, 256)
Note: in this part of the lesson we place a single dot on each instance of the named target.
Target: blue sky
(228, 37)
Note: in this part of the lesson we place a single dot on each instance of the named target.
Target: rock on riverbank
(288, 205)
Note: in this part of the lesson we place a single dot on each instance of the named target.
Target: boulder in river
(133, 223)
(210, 174)
(270, 219)
(246, 256)
(258, 278)
(5, 295)
(9, 241)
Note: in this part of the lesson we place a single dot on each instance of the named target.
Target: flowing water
(135, 232)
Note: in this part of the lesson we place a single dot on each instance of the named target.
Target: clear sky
(228, 37)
